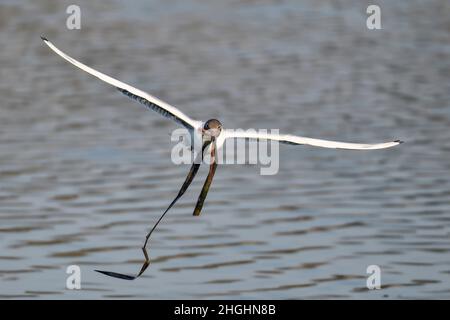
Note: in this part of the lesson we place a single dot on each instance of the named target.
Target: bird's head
(212, 129)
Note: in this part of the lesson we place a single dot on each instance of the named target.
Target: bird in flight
(211, 136)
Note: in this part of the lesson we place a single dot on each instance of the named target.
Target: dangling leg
(184, 187)
(207, 184)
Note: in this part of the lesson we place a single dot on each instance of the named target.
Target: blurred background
(85, 172)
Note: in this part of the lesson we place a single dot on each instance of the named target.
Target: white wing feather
(150, 101)
(290, 139)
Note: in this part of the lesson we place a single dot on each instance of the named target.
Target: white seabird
(209, 134)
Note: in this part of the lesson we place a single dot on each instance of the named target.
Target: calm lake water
(85, 172)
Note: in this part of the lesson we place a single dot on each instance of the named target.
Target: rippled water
(85, 172)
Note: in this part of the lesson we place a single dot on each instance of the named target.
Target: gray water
(85, 172)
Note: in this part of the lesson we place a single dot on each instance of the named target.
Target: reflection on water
(84, 172)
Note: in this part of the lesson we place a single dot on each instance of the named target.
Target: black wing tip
(399, 141)
(44, 38)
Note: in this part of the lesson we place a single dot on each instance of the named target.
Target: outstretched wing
(148, 100)
(290, 139)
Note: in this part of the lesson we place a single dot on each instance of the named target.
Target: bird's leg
(209, 178)
(184, 187)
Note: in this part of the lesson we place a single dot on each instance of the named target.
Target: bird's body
(210, 135)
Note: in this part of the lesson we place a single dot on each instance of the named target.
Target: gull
(210, 134)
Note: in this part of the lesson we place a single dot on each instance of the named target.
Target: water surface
(85, 172)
